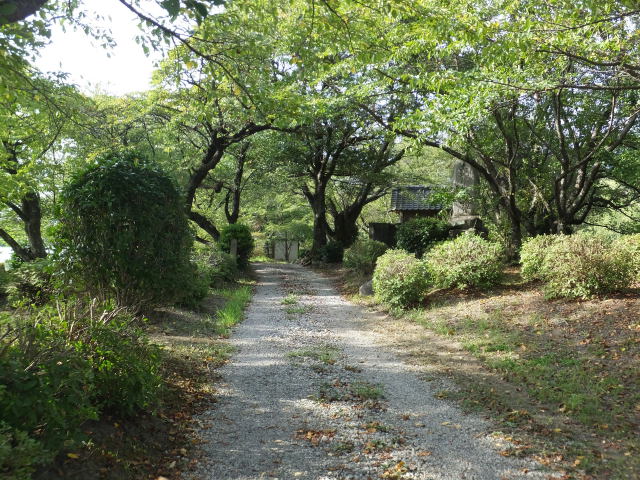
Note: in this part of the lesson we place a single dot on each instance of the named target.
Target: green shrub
(222, 267)
(532, 255)
(468, 260)
(585, 265)
(362, 255)
(399, 279)
(332, 252)
(31, 283)
(45, 383)
(19, 454)
(630, 245)
(421, 234)
(5, 280)
(124, 234)
(196, 289)
(60, 368)
(125, 366)
(242, 234)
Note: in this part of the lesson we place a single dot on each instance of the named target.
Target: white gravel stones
(301, 399)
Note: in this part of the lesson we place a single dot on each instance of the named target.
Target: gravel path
(310, 394)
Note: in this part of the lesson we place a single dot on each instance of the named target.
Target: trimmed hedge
(124, 233)
(468, 260)
(400, 279)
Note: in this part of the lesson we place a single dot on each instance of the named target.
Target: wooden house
(413, 202)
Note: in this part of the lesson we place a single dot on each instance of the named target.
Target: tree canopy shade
(324, 98)
(34, 118)
(539, 98)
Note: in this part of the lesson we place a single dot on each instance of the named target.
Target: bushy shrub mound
(585, 265)
(362, 255)
(399, 279)
(630, 245)
(125, 366)
(222, 267)
(332, 252)
(420, 234)
(242, 234)
(124, 232)
(468, 260)
(60, 369)
(532, 255)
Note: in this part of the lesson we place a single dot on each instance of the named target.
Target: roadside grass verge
(233, 310)
(559, 378)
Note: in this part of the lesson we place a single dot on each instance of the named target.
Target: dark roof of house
(414, 197)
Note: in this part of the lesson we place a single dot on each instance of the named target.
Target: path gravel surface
(312, 394)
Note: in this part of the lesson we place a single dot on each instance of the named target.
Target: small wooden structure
(282, 249)
(413, 201)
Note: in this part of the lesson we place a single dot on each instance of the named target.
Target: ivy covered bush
(585, 265)
(400, 279)
(124, 234)
(468, 260)
(533, 253)
(420, 234)
(362, 255)
(242, 234)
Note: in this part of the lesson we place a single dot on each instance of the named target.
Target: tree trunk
(320, 225)
(232, 200)
(33, 224)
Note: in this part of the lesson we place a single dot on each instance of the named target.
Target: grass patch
(298, 309)
(367, 391)
(326, 354)
(339, 391)
(233, 310)
(291, 299)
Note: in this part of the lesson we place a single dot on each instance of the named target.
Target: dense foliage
(630, 245)
(585, 265)
(245, 244)
(332, 252)
(533, 254)
(420, 234)
(297, 128)
(468, 260)
(59, 371)
(123, 232)
(362, 255)
(400, 280)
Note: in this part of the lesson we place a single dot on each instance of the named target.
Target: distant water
(5, 253)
